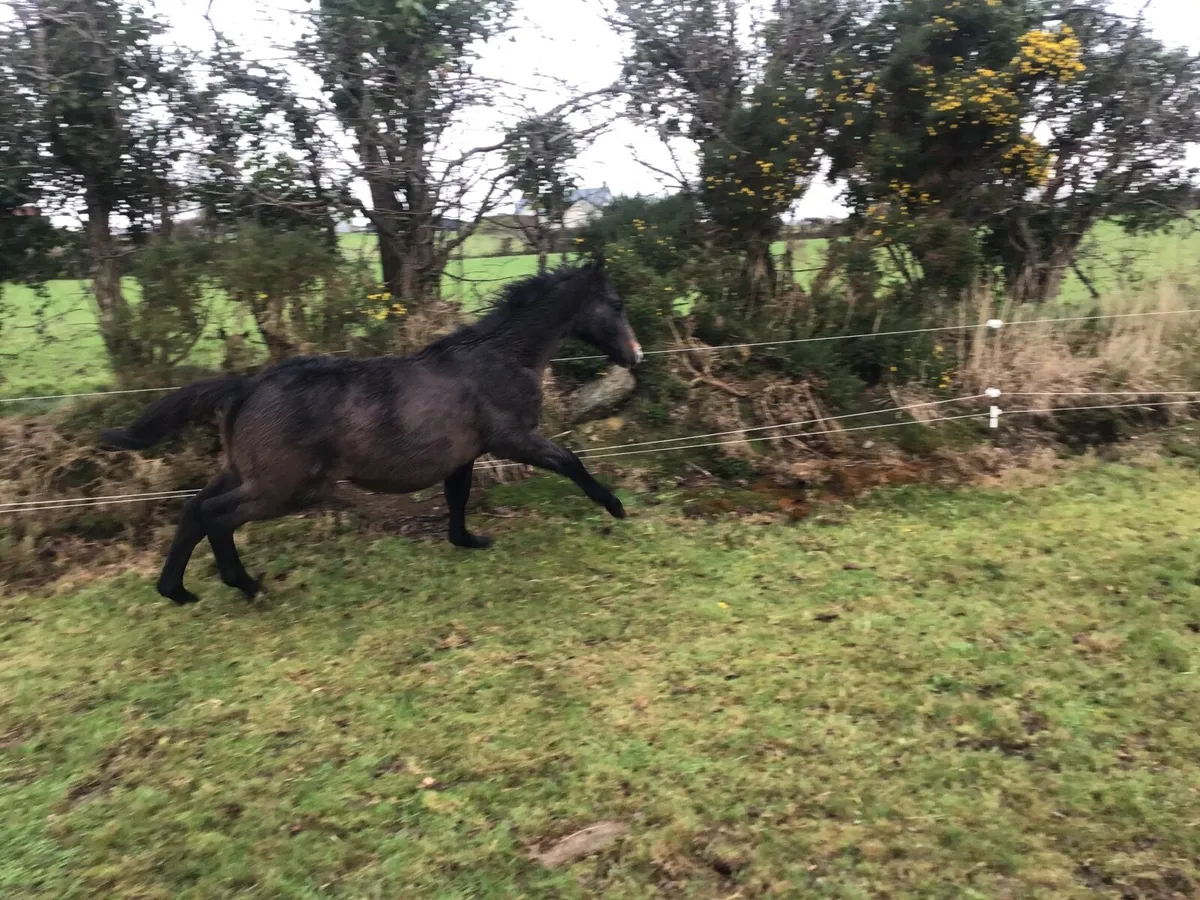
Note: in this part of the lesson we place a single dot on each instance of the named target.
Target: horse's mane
(528, 291)
(511, 300)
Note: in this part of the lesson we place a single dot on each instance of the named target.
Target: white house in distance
(585, 205)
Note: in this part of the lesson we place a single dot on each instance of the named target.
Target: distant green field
(492, 242)
(49, 345)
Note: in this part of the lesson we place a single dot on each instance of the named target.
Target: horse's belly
(412, 446)
(391, 486)
(403, 473)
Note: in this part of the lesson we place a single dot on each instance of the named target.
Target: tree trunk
(385, 217)
(407, 255)
(1041, 275)
(1042, 263)
(760, 275)
(112, 308)
(269, 317)
(419, 278)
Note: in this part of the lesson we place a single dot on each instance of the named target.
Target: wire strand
(780, 437)
(874, 412)
(1056, 409)
(84, 394)
(1100, 394)
(85, 502)
(867, 334)
(147, 494)
(714, 349)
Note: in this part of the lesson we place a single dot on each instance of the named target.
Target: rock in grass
(582, 843)
(599, 398)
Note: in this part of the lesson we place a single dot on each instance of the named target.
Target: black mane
(512, 299)
(530, 290)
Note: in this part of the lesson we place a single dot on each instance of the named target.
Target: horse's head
(601, 321)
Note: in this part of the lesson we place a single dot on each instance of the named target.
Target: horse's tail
(179, 408)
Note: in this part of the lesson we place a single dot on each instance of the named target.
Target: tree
(245, 113)
(1117, 139)
(541, 150)
(102, 95)
(743, 101)
(987, 135)
(398, 73)
(25, 234)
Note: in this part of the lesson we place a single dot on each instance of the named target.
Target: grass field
(50, 345)
(988, 693)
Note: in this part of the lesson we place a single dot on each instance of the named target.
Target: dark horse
(388, 424)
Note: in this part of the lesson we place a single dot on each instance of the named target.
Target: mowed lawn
(983, 693)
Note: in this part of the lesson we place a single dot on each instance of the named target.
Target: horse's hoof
(250, 587)
(180, 595)
(472, 542)
(615, 509)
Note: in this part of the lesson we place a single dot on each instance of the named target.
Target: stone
(580, 844)
(601, 397)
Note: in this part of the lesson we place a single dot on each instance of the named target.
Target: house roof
(599, 197)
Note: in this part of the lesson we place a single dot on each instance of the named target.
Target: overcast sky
(567, 41)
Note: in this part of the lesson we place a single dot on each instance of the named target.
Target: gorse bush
(654, 254)
(173, 276)
(301, 294)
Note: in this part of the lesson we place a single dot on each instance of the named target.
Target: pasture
(49, 341)
(988, 692)
(49, 344)
(985, 692)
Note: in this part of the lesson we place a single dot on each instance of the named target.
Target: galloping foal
(388, 424)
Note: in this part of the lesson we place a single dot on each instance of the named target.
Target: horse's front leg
(458, 492)
(533, 449)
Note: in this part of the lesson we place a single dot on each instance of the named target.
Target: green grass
(1116, 262)
(50, 345)
(489, 241)
(49, 342)
(974, 694)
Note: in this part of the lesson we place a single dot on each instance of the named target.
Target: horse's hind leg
(229, 511)
(229, 563)
(190, 531)
(222, 513)
(458, 492)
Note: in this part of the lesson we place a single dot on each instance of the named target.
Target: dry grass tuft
(1144, 353)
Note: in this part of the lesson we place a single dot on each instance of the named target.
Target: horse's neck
(547, 328)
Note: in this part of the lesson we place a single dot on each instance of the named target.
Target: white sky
(570, 43)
